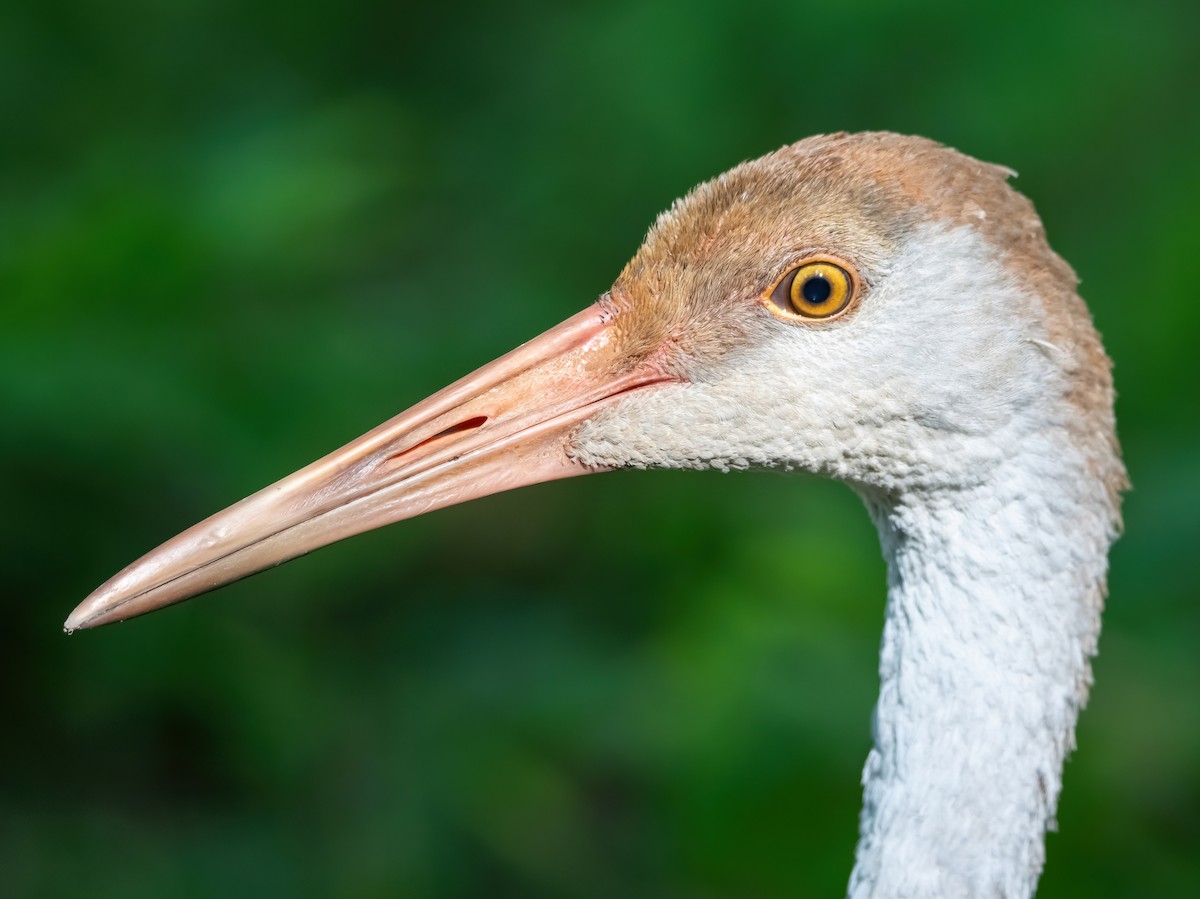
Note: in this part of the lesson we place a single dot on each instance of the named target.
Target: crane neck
(993, 613)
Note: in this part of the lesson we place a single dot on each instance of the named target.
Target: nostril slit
(469, 425)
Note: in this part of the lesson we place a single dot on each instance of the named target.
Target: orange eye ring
(814, 290)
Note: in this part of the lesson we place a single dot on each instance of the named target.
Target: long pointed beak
(504, 426)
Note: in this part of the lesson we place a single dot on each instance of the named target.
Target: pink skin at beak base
(506, 425)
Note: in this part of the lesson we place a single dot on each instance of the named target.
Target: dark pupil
(816, 290)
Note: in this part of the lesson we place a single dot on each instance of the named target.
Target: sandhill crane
(871, 307)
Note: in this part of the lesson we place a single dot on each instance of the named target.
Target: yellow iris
(819, 290)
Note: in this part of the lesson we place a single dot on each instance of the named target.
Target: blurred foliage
(234, 235)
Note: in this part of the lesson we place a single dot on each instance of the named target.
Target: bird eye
(816, 289)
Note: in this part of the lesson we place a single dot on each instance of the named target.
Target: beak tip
(75, 621)
(85, 616)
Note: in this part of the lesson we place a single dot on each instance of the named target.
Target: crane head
(871, 307)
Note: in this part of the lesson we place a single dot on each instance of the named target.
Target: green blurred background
(234, 235)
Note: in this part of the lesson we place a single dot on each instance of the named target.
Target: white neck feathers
(993, 613)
